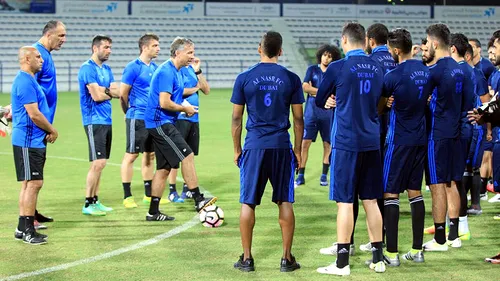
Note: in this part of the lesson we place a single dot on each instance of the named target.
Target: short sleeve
(88, 74)
(308, 77)
(238, 96)
(166, 82)
(298, 94)
(27, 92)
(129, 74)
(482, 84)
(328, 84)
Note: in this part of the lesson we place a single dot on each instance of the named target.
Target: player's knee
(35, 184)
(414, 193)
(130, 158)
(98, 165)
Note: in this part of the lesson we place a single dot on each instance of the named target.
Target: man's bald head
(30, 59)
(24, 52)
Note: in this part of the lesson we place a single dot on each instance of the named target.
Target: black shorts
(138, 138)
(29, 163)
(190, 131)
(99, 138)
(170, 147)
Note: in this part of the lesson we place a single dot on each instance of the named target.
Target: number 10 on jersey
(364, 86)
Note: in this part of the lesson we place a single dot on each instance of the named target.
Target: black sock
(172, 187)
(302, 171)
(126, 190)
(484, 183)
(29, 223)
(380, 203)
(377, 254)
(476, 189)
(185, 188)
(463, 199)
(467, 182)
(417, 221)
(453, 229)
(325, 168)
(36, 213)
(342, 255)
(355, 208)
(21, 226)
(96, 198)
(147, 188)
(391, 221)
(88, 201)
(440, 234)
(154, 206)
(196, 194)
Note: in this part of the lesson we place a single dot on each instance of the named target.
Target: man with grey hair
(164, 104)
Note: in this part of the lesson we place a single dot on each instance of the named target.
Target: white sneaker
(334, 270)
(495, 199)
(433, 246)
(332, 250)
(457, 243)
(366, 247)
(483, 197)
(378, 267)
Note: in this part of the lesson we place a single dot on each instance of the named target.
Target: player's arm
(386, 98)
(98, 93)
(308, 88)
(189, 91)
(203, 84)
(298, 130)
(41, 121)
(114, 90)
(167, 104)
(124, 92)
(236, 129)
(327, 86)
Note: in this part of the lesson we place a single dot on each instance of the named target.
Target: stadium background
(226, 35)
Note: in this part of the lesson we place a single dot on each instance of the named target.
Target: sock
(415, 251)
(96, 198)
(154, 206)
(185, 188)
(463, 199)
(377, 253)
(440, 234)
(391, 219)
(88, 201)
(302, 171)
(36, 213)
(29, 223)
(196, 194)
(147, 188)
(467, 182)
(380, 203)
(476, 189)
(417, 221)
(453, 229)
(484, 183)
(325, 168)
(172, 188)
(355, 208)
(21, 226)
(342, 255)
(463, 225)
(126, 190)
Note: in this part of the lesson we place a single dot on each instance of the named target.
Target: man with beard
(97, 88)
(447, 78)
(479, 62)
(317, 119)
(495, 89)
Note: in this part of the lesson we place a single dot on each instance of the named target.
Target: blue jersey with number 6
(267, 90)
(356, 81)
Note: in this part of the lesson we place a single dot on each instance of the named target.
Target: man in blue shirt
(495, 89)
(447, 79)
(268, 91)
(189, 127)
(97, 88)
(405, 150)
(53, 37)
(164, 104)
(479, 62)
(134, 92)
(30, 134)
(317, 119)
(356, 85)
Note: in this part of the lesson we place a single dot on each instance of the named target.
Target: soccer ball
(212, 216)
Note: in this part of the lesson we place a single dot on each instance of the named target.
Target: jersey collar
(356, 52)
(382, 48)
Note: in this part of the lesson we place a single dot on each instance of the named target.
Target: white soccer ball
(212, 216)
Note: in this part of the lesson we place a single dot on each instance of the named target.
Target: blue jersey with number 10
(356, 81)
(267, 90)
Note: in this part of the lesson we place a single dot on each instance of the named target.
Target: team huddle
(386, 119)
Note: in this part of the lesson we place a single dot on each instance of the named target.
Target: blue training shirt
(486, 67)
(494, 81)
(167, 78)
(138, 75)
(469, 99)
(94, 112)
(314, 74)
(409, 84)
(446, 103)
(381, 55)
(25, 90)
(46, 78)
(268, 90)
(356, 81)
(190, 81)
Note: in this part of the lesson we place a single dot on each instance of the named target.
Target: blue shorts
(355, 173)
(476, 150)
(403, 168)
(441, 156)
(317, 119)
(257, 166)
(488, 145)
(496, 166)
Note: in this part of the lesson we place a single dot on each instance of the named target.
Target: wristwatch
(108, 92)
(198, 72)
